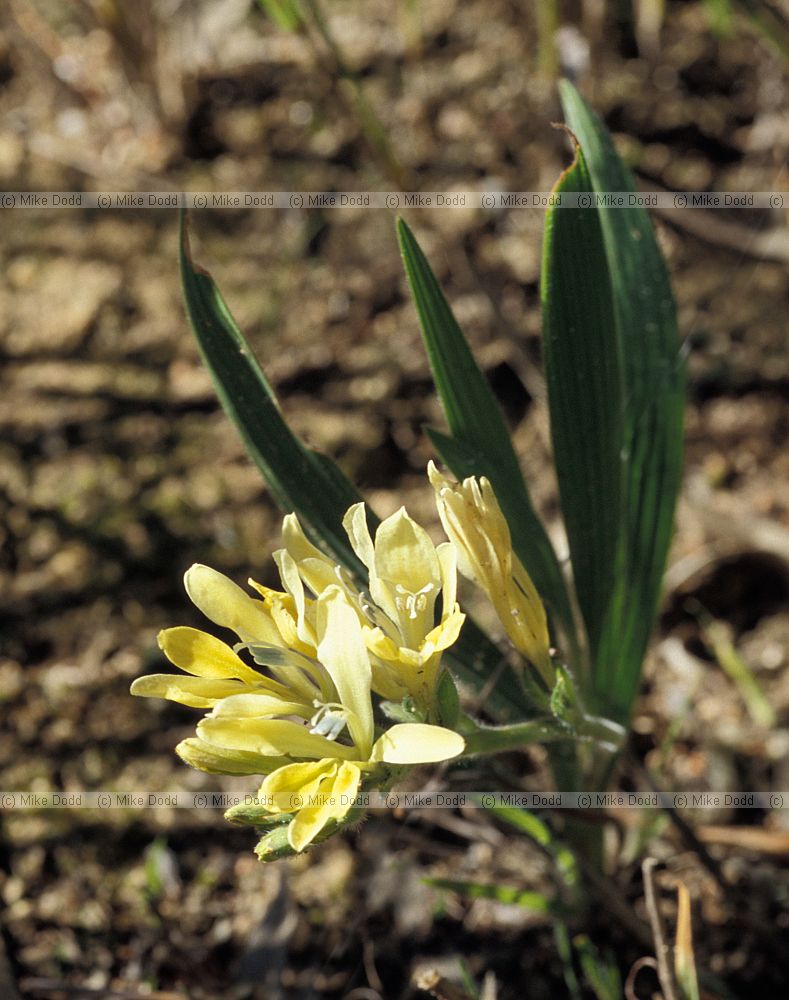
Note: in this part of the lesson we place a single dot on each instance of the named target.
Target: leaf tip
(404, 234)
(577, 154)
(567, 89)
(186, 246)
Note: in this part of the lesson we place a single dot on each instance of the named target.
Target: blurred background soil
(118, 469)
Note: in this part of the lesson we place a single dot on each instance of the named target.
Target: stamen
(375, 615)
(330, 719)
(412, 603)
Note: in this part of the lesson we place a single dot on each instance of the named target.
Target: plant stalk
(494, 739)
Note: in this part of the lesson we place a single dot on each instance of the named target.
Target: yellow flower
(324, 790)
(310, 726)
(407, 573)
(323, 774)
(218, 673)
(474, 523)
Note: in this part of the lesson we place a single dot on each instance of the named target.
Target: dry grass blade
(684, 956)
(747, 838)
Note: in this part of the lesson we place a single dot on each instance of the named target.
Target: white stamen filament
(412, 603)
(329, 721)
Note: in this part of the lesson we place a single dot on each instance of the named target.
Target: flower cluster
(307, 722)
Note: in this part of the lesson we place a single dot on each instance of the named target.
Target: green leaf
(584, 379)
(479, 444)
(561, 937)
(716, 635)
(447, 701)
(476, 660)
(303, 480)
(299, 479)
(532, 826)
(535, 901)
(620, 356)
(600, 971)
(286, 14)
(721, 17)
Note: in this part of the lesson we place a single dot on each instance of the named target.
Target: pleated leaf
(584, 380)
(612, 359)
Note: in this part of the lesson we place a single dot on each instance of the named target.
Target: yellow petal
(289, 788)
(196, 692)
(464, 515)
(388, 682)
(296, 777)
(447, 557)
(342, 651)
(531, 607)
(307, 824)
(494, 520)
(291, 581)
(447, 632)
(255, 706)
(319, 574)
(316, 570)
(336, 794)
(271, 736)
(380, 644)
(417, 743)
(474, 522)
(225, 603)
(215, 760)
(267, 593)
(284, 617)
(406, 577)
(204, 655)
(346, 785)
(405, 555)
(355, 524)
(296, 542)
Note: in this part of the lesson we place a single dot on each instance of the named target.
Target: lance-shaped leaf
(619, 359)
(301, 479)
(583, 372)
(479, 444)
(297, 477)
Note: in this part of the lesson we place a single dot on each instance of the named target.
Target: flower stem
(493, 739)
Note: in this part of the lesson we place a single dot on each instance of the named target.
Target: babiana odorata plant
(345, 678)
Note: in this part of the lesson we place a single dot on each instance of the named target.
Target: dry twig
(663, 950)
(647, 962)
